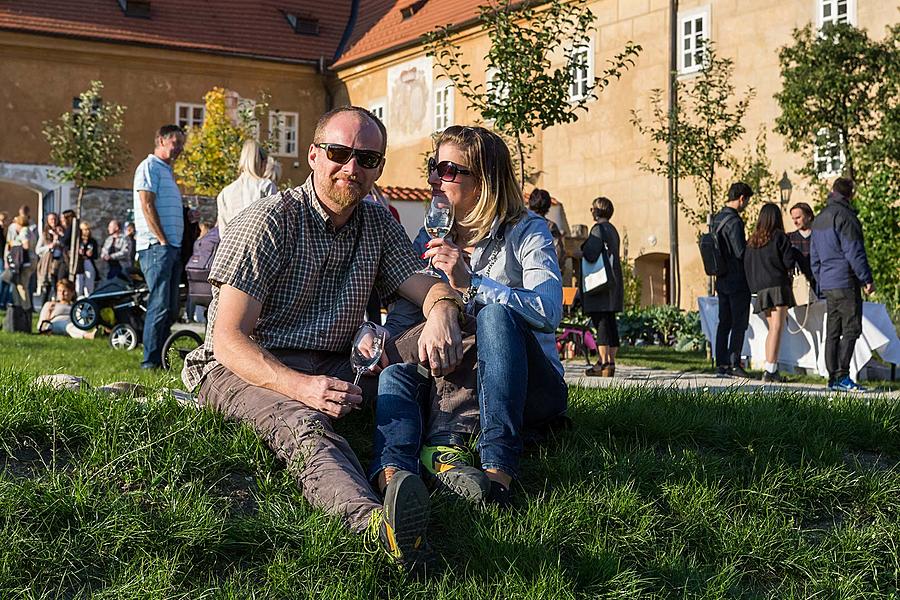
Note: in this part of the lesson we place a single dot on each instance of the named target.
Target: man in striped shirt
(159, 224)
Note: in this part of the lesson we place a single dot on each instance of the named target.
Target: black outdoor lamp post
(785, 187)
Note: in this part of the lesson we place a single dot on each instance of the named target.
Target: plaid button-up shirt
(313, 281)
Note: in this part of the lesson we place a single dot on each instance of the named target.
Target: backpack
(17, 320)
(710, 252)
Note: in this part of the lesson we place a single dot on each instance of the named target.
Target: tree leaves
(86, 143)
(707, 122)
(839, 80)
(527, 92)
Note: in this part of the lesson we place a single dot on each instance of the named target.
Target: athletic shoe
(775, 377)
(723, 372)
(848, 385)
(402, 523)
(451, 469)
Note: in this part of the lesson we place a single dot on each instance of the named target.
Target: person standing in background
(117, 250)
(249, 187)
(159, 227)
(732, 288)
(841, 267)
(50, 254)
(21, 242)
(601, 306)
(5, 288)
(539, 202)
(768, 262)
(802, 215)
(130, 233)
(86, 268)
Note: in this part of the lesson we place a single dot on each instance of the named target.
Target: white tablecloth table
(803, 340)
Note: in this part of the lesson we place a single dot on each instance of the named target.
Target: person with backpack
(731, 283)
(840, 266)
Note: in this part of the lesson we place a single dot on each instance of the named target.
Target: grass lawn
(654, 494)
(663, 357)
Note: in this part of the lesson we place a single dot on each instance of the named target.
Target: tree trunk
(521, 152)
(711, 288)
(73, 243)
(845, 147)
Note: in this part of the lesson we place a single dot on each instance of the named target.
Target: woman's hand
(448, 257)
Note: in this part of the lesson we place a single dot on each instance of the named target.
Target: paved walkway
(632, 375)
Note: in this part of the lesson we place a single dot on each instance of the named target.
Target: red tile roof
(396, 193)
(243, 27)
(381, 28)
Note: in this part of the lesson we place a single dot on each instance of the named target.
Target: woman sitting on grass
(500, 257)
(55, 317)
(768, 261)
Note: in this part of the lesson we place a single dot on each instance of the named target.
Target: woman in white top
(249, 187)
(21, 234)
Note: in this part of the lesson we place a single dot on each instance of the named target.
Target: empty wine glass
(368, 345)
(438, 221)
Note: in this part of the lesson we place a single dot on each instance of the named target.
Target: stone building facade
(385, 68)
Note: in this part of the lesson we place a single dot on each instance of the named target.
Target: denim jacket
(525, 276)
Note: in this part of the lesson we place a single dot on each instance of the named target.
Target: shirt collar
(160, 161)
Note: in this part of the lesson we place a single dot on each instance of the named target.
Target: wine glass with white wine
(368, 345)
(438, 222)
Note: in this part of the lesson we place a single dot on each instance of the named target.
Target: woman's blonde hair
(253, 159)
(500, 196)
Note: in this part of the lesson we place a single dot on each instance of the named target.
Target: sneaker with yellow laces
(451, 469)
(402, 523)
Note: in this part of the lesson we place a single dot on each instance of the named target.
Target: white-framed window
(835, 11)
(283, 130)
(583, 72)
(378, 109)
(493, 86)
(443, 107)
(693, 33)
(189, 115)
(828, 154)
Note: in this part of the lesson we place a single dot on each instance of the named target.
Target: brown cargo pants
(327, 470)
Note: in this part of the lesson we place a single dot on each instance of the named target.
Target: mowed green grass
(654, 494)
(93, 359)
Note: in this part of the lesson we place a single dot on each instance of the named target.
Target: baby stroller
(119, 304)
(182, 342)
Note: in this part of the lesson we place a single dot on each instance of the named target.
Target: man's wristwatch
(472, 290)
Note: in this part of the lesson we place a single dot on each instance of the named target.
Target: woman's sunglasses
(446, 169)
(367, 159)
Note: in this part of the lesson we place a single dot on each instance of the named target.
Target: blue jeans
(162, 272)
(518, 388)
(399, 427)
(5, 291)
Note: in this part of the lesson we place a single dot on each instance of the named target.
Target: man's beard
(345, 196)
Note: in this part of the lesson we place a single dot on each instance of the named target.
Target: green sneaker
(402, 523)
(451, 470)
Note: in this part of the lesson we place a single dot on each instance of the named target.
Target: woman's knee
(493, 316)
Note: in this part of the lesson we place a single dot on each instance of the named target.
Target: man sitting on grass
(290, 281)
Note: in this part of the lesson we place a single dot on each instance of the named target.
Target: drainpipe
(348, 30)
(674, 263)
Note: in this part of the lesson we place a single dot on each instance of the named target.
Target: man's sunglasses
(446, 170)
(367, 159)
